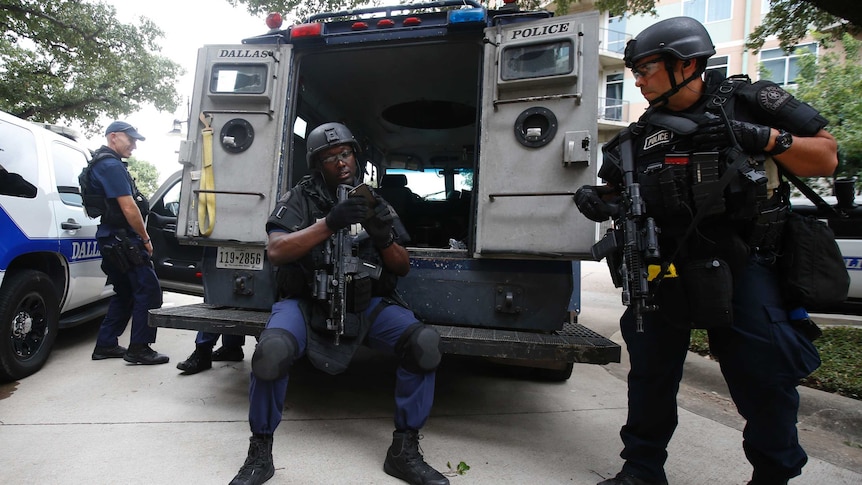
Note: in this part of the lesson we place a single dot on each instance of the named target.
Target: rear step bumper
(574, 343)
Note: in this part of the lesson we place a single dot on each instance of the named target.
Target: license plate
(240, 258)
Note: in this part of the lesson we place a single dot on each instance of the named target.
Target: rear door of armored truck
(231, 166)
(538, 137)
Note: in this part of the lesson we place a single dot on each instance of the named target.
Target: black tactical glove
(379, 226)
(589, 201)
(752, 137)
(346, 212)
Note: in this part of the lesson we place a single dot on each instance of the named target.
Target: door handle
(70, 225)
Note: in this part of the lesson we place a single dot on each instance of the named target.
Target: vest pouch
(708, 285)
(359, 293)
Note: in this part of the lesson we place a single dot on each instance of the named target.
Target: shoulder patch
(286, 197)
(772, 97)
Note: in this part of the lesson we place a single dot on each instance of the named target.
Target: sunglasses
(646, 69)
(341, 157)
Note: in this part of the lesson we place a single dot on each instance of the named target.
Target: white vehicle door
(230, 180)
(76, 232)
(538, 137)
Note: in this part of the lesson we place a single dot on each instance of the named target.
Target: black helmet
(328, 135)
(680, 37)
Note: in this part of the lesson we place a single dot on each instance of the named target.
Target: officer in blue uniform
(126, 249)
(299, 228)
(697, 128)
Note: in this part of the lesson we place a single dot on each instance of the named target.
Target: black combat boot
(404, 461)
(143, 354)
(626, 479)
(200, 360)
(258, 466)
(230, 354)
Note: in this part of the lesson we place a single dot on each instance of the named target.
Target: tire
(29, 322)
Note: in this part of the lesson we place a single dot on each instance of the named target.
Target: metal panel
(247, 120)
(538, 142)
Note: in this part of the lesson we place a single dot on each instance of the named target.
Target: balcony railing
(611, 109)
(613, 40)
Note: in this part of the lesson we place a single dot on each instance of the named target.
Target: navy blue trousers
(762, 359)
(136, 292)
(414, 393)
(207, 339)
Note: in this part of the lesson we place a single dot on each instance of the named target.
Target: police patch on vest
(658, 138)
(772, 98)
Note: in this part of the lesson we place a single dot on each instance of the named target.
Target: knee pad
(275, 352)
(419, 348)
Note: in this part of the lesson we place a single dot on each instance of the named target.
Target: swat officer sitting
(722, 249)
(300, 230)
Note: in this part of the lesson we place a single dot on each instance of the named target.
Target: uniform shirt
(110, 178)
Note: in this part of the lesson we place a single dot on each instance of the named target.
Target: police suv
(477, 126)
(50, 265)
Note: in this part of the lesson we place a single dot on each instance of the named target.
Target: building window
(707, 10)
(616, 34)
(718, 63)
(613, 102)
(780, 67)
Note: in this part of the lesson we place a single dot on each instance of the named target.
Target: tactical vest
(96, 205)
(297, 279)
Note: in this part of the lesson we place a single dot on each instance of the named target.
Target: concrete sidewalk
(84, 422)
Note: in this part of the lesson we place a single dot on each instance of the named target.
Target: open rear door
(538, 143)
(231, 172)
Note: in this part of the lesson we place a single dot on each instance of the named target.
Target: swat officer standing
(697, 128)
(299, 229)
(110, 192)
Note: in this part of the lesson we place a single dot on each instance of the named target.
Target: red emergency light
(306, 30)
(385, 23)
(412, 21)
(274, 20)
(359, 26)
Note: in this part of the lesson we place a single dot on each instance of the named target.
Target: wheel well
(51, 264)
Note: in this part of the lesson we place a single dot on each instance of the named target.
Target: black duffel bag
(812, 268)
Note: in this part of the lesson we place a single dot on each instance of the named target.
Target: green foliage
(146, 175)
(461, 469)
(72, 61)
(302, 9)
(832, 84)
(841, 368)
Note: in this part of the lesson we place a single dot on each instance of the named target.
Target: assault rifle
(636, 236)
(341, 267)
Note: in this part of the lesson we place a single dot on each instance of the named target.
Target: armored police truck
(476, 125)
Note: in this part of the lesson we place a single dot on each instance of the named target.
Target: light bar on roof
(467, 15)
(304, 31)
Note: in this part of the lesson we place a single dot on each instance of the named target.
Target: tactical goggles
(341, 157)
(646, 69)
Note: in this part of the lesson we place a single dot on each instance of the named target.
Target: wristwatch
(782, 143)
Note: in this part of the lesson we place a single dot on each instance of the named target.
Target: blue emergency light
(467, 16)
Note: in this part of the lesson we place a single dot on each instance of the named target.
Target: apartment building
(728, 23)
